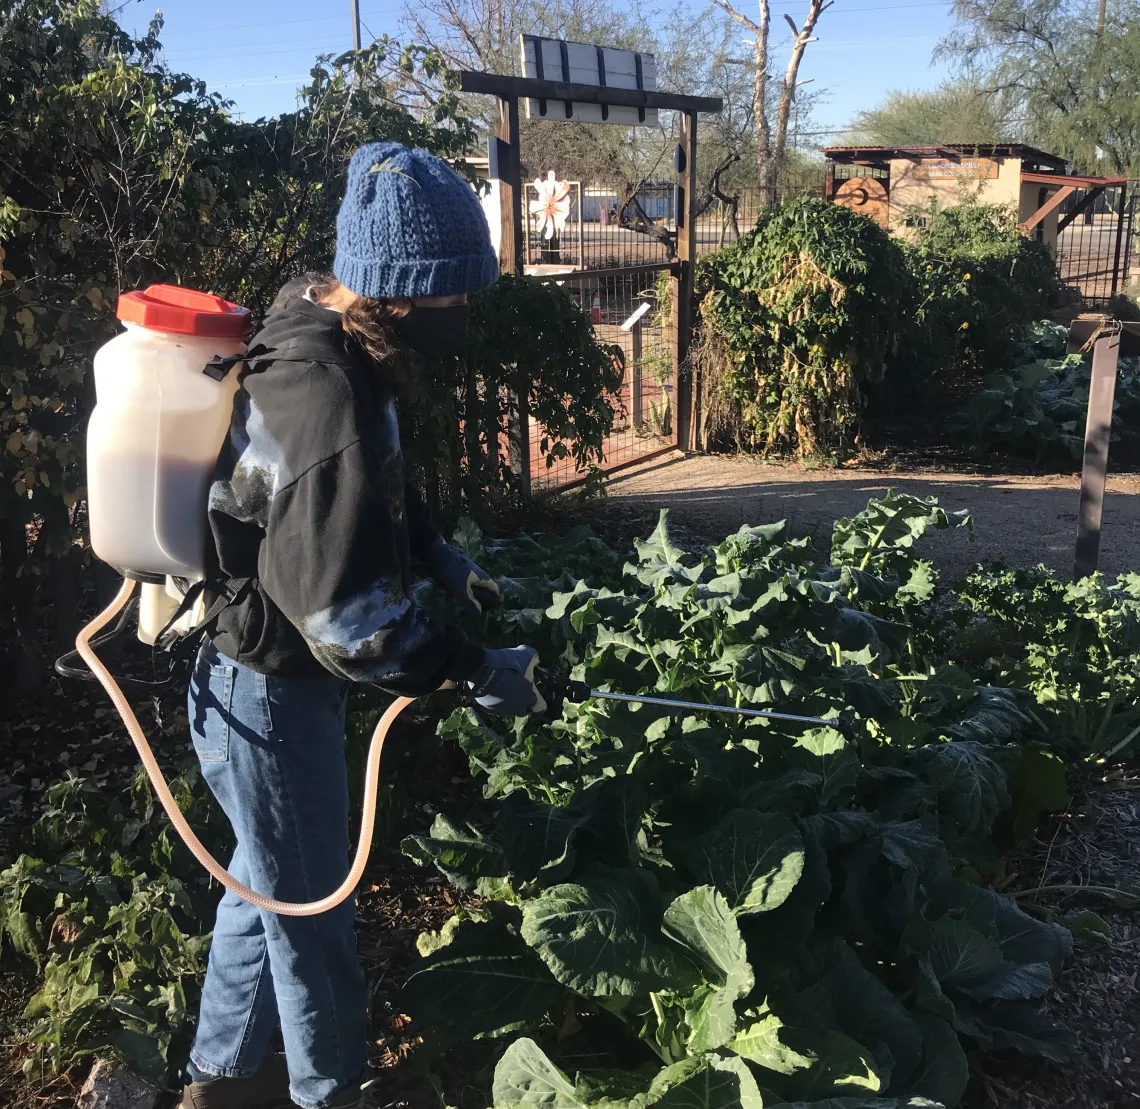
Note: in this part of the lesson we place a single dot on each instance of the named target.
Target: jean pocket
(212, 709)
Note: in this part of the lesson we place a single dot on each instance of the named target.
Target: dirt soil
(1017, 519)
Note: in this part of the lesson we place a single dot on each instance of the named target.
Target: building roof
(951, 149)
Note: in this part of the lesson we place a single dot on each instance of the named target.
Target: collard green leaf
(971, 786)
(861, 636)
(754, 859)
(710, 1018)
(786, 929)
(544, 843)
(526, 1079)
(538, 838)
(1020, 937)
(824, 751)
(484, 980)
(995, 717)
(881, 538)
(928, 993)
(960, 955)
(431, 941)
(866, 1010)
(1087, 926)
(703, 922)
(944, 1071)
(760, 1042)
(840, 1067)
(1016, 1025)
(968, 962)
(598, 936)
(463, 856)
(468, 538)
(660, 561)
(1037, 786)
(912, 844)
(835, 829)
(716, 1083)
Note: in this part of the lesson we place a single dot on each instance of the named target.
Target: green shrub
(980, 282)
(808, 313)
(800, 318)
(115, 914)
(1123, 306)
(1074, 645)
(459, 414)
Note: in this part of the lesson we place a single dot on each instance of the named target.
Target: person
(310, 503)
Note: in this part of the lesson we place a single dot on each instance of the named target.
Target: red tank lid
(183, 312)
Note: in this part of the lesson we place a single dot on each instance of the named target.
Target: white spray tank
(164, 397)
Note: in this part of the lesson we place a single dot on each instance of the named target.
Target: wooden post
(506, 168)
(1098, 426)
(355, 24)
(688, 398)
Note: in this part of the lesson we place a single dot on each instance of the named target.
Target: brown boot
(267, 1087)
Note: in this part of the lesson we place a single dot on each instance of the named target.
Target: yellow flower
(965, 326)
(966, 277)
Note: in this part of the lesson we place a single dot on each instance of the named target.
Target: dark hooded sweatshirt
(310, 501)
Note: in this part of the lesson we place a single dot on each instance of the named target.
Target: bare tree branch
(728, 9)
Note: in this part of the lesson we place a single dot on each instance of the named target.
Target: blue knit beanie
(410, 226)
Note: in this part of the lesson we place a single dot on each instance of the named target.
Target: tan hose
(371, 781)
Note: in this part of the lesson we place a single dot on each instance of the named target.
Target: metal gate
(627, 309)
(1095, 248)
(653, 405)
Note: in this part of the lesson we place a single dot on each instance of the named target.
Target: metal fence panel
(1094, 247)
(645, 403)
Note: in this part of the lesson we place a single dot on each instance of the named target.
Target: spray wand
(557, 688)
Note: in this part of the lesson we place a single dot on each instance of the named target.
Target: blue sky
(257, 52)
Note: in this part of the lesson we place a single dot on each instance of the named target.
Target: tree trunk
(760, 123)
(800, 40)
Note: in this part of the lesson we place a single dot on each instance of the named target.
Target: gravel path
(1017, 519)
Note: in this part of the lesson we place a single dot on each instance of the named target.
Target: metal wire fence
(615, 224)
(627, 313)
(1095, 251)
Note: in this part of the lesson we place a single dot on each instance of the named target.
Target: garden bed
(1092, 842)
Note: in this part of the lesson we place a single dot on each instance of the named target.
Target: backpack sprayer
(164, 398)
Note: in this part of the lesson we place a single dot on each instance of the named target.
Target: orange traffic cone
(596, 308)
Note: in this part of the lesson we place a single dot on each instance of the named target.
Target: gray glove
(505, 684)
(470, 585)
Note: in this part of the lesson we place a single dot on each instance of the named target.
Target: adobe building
(897, 185)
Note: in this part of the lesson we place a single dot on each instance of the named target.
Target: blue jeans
(272, 753)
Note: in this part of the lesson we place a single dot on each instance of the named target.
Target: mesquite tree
(771, 142)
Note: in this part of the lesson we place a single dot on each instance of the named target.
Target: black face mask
(435, 332)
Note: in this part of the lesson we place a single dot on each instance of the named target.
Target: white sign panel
(578, 63)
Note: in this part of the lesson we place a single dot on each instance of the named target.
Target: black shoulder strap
(224, 594)
(221, 364)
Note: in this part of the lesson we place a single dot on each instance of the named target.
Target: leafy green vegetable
(775, 912)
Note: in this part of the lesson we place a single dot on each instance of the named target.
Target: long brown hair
(367, 323)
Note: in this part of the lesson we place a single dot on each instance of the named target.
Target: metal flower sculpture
(552, 206)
